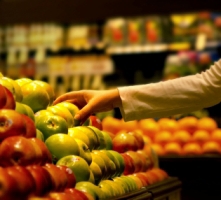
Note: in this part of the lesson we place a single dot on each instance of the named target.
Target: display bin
(200, 175)
(168, 189)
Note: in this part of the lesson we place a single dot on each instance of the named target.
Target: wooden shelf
(84, 11)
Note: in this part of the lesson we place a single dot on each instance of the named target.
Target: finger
(84, 113)
(61, 98)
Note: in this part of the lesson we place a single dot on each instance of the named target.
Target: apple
(140, 184)
(111, 167)
(96, 170)
(13, 87)
(108, 189)
(70, 176)
(51, 124)
(24, 179)
(85, 134)
(78, 165)
(3, 96)
(39, 135)
(123, 184)
(79, 195)
(108, 140)
(10, 101)
(58, 177)
(48, 88)
(17, 150)
(20, 108)
(11, 124)
(138, 164)
(63, 112)
(95, 121)
(91, 188)
(9, 187)
(91, 177)
(23, 80)
(35, 96)
(84, 151)
(102, 143)
(146, 160)
(42, 179)
(139, 137)
(30, 126)
(128, 163)
(71, 107)
(41, 113)
(61, 145)
(120, 159)
(142, 176)
(61, 196)
(30, 112)
(46, 156)
(123, 142)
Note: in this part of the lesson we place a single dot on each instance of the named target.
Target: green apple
(61, 145)
(94, 189)
(108, 140)
(120, 158)
(78, 134)
(35, 96)
(39, 135)
(78, 165)
(84, 150)
(24, 109)
(91, 178)
(41, 113)
(22, 81)
(30, 112)
(63, 112)
(72, 108)
(94, 141)
(122, 183)
(95, 168)
(100, 137)
(51, 124)
(48, 88)
(111, 167)
(13, 87)
(108, 189)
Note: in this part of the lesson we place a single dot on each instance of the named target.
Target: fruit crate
(200, 174)
(168, 189)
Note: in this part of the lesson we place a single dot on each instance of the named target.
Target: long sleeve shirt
(177, 96)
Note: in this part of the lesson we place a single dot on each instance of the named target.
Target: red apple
(16, 150)
(139, 137)
(42, 179)
(46, 156)
(30, 127)
(10, 102)
(123, 142)
(58, 177)
(138, 164)
(3, 96)
(146, 160)
(77, 193)
(95, 121)
(11, 124)
(143, 177)
(129, 167)
(8, 184)
(61, 196)
(25, 181)
(70, 176)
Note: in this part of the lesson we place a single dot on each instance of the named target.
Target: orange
(188, 124)
(149, 127)
(207, 124)
(192, 148)
(170, 125)
(147, 139)
(130, 125)
(173, 148)
(181, 136)
(163, 137)
(111, 124)
(158, 149)
(216, 135)
(211, 147)
(201, 136)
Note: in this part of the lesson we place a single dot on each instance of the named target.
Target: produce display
(46, 155)
(188, 135)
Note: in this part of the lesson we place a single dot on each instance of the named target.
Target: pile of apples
(167, 136)
(46, 155)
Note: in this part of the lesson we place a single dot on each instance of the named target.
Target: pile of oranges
(186, 136)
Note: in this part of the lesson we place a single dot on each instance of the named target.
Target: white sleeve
(177, 96)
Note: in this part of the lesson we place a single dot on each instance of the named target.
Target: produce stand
(167, 189)
(200, 175)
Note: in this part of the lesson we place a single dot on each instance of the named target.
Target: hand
(91, 101)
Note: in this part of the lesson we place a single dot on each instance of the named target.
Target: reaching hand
(91, 101)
